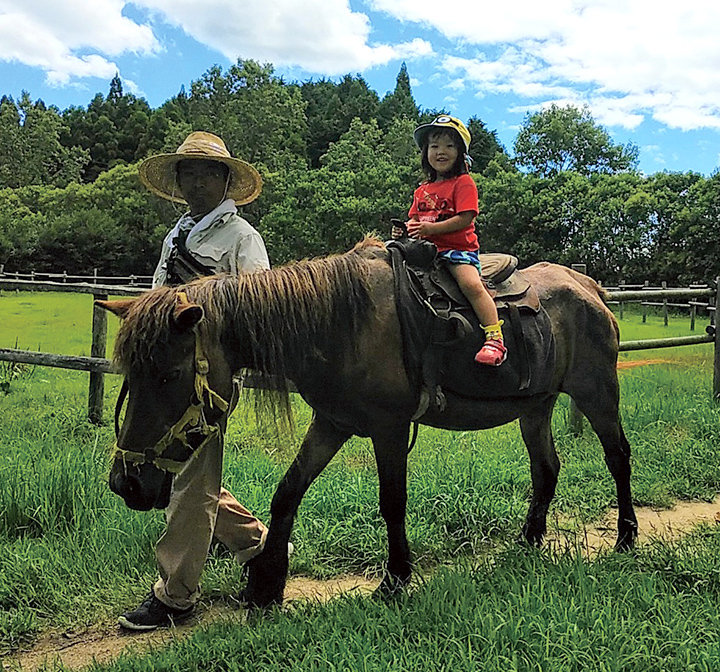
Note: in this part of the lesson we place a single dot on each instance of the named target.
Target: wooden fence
(648, 296)
(139, 281)
(98, 365)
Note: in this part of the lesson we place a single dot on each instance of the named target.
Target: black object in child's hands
(401, 225)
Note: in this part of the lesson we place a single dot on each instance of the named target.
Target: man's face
(202, 184)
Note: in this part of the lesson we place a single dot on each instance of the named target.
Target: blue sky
(648, 69)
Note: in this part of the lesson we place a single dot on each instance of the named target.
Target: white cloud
(628, 59)
(79, 38)
(320, 36)
(70, 39)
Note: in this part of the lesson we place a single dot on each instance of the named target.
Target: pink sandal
(492, 353)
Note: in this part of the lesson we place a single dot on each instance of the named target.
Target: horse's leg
(267, 572)
(601, 410)
(544, 467)
(391, 449)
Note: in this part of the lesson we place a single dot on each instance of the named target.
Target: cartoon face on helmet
(443, 121)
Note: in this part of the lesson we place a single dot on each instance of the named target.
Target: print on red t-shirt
(438, 201)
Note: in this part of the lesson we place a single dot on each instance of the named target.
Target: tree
(568, 138)
(260, 118)
(114, 129)
(31, 151)
(400, 103)
(483, 146)
(357, 189)
(331, 108)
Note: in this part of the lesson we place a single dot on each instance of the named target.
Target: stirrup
(492, 353)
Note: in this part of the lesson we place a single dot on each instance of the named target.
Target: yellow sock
(493, 332)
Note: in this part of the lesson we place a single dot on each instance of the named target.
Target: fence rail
(98, 365)
(65, 277)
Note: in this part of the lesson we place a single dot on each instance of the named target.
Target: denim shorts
(462, 257)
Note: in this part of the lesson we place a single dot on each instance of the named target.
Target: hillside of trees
(338, 161)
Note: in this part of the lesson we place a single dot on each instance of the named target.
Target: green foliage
(356, 191)
(331, 108)
(260, 118)
(113, 224)
(399, 104)
(484, 145)
(568, 138)
(338, 162)
(31, 151)
(115, 129)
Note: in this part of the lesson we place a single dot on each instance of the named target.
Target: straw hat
(159, 173)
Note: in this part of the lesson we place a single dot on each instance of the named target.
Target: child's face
(443, 152)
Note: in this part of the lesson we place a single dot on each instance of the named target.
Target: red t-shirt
(438, 201)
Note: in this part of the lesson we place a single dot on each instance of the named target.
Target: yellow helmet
(443, 121)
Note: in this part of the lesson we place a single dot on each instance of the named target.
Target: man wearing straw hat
(209, 238)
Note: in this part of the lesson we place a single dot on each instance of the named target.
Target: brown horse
(330, 326)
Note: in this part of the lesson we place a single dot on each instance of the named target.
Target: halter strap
(192, 419)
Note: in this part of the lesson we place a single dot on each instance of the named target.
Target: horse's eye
(169, 378)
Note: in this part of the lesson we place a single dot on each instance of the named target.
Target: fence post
(644, 307)
(575, 417)
(693, 308)
(716, 346)
(665, 304)
(97, 349)
(622, 305)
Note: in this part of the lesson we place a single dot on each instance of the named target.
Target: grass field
(75, 556)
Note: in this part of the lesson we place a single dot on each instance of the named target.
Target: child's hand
(419, 229)
(397, 232)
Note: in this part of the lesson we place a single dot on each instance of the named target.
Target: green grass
(516, 610)
(74, 555)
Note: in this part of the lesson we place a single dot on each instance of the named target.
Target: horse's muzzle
(142, 487)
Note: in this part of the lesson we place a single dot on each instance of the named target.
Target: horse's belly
(462, 414)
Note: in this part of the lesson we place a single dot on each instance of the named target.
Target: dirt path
(104, 643)
(632, 363)
(665, 524)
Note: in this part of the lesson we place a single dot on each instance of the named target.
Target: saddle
(441, 332)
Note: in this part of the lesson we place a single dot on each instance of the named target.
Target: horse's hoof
(627, 536)
(253, 603)
(391, 588)
(532, 539)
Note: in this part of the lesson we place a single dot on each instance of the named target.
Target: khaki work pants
(200, 509)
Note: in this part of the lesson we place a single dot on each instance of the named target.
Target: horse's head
(176, 385)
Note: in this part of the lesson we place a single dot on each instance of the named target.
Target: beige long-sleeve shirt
(221, 240)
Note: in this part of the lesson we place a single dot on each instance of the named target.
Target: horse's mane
(287, 313)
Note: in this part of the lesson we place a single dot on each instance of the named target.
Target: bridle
(193, 420)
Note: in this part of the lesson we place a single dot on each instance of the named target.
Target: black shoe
(151, 614)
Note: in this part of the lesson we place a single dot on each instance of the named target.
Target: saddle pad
(529, 366)
(440, 343)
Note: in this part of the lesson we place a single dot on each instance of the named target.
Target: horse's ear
(119, 307)
(186, 314)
